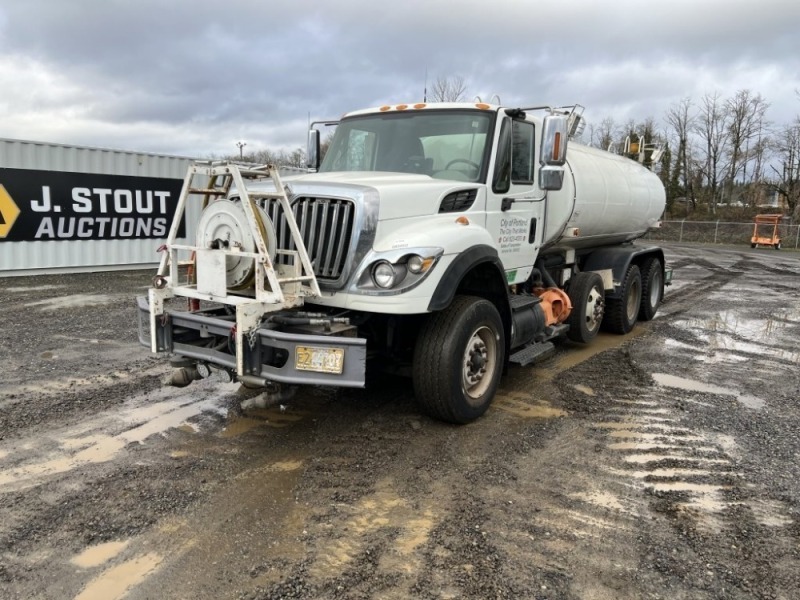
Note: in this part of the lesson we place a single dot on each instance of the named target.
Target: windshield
(446, 144)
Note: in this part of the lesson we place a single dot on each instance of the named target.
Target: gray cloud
(192, 78)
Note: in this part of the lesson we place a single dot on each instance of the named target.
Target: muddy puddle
(731, 336)
(691, 385)
(91, 442)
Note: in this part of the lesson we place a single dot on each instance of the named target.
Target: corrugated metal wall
(24, 257)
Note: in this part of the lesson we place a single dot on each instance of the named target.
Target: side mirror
(551, 178)
(312, 150)
(553, 152)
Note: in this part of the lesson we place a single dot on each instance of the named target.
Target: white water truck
(441, 241)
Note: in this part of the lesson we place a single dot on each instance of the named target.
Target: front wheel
(458, 360)
(621, 313)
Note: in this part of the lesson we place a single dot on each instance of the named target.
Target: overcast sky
(194, 77)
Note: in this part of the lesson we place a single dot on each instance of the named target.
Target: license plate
(319, 360)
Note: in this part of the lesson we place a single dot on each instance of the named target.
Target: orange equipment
(774, 239)
(555, 303)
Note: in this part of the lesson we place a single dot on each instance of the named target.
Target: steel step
(532, 353)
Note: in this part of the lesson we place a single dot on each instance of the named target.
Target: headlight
(395, 271)
(415, 264)
(383, 274)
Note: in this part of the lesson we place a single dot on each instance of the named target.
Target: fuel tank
(606, 199)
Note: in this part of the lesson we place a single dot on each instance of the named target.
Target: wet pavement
(661, 464)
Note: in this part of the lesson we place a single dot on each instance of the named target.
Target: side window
(522, 152)
(501, 181)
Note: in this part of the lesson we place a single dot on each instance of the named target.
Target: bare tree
(712, 128)
(602, 136)
(787, 173)
(680, 119)
(746, 120)
(448, 89)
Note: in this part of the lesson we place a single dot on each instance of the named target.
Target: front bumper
(269, 354)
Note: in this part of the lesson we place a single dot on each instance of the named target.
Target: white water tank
(606, 199)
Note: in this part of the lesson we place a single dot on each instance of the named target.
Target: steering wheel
(474, 165)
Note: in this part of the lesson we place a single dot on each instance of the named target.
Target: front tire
(621, 313)
(458, 360)
(587, 294)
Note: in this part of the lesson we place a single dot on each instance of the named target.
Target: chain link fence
(721, 232)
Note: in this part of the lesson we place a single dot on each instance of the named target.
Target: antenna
(425, 89)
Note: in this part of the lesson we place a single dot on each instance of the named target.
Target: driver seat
(408, 156)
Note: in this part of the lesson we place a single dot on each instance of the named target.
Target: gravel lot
(662, 464)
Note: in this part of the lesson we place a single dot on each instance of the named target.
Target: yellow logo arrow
(9, 211)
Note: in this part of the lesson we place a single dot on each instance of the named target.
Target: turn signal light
(557, 146)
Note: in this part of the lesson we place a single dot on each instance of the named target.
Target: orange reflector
(576, 232)
(401, 106)
(557, 145)
(420, 105)
(385, 108)
(462, 220)
(482, 105)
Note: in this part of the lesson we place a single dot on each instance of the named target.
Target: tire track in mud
(697, 479)
(575, 532)
(70, 399)
(417, 532)
(719, 277)
(694, 478)
(662, 464)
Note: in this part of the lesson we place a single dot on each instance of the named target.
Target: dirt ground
(662, 464)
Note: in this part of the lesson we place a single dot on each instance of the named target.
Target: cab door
(514, 206)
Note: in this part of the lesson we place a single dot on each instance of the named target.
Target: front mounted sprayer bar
(241, 242)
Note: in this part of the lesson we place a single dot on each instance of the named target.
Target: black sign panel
(56, 205)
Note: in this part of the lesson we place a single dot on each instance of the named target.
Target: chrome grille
(326, 227)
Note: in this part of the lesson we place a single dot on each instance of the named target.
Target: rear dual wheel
(641, 293)
(621, 313)
(652, 288)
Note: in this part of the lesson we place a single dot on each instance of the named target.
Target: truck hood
(401, 195)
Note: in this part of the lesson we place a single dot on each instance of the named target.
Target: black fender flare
(477, 271)
(459, 268)
(618, 259)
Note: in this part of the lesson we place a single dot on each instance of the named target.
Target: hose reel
(223, 225)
